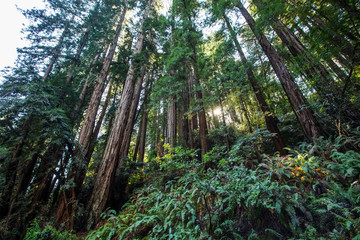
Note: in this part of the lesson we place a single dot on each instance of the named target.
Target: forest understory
(183, 119)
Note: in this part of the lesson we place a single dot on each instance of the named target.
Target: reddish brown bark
(132, 113)
(202, 125)
(96, 131)
(297, 100)
(270, 119)
(171, 122)
(110, 159)
(143, 135)
(324, 84)
(78, 169)
(90, 118)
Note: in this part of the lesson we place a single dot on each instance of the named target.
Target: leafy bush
(35, 232)
(299, 196)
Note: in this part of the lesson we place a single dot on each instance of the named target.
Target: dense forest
(183, 119)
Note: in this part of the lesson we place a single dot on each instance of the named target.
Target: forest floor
(312, 193)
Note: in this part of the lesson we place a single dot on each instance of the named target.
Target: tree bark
(78, 168)
(171, 122)
(297, 100)
(132, 113)
(224, 125)
(96, 131)
(56, 53)
(233, 115)
(110, 159)
(338, 41)
(141, 138)
(324, 84)
(11, 172)
(270, 118)
(90, 118)
(201, 113)
(246, 114)
(143, 135)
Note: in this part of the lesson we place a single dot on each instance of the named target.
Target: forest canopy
(183, 119)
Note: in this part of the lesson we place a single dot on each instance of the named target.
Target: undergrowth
(312, 193)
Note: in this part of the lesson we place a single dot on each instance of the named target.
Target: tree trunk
(90, 118)
(201, 113)
(143, 135)
(25, 179)
(132, 113)
(297, 100)
(171, 122)
(110, 159)
(345, 47)
(224, 125)
(137, 143)
(270, 119)
(42, 181)
(96, 132)
(56, 54)
(186, 121)
(325, 86)
(297, 49)
(234, 117)
(86, 134)
(11, 172)
(328, 60)
(246, 114)
(140, 139)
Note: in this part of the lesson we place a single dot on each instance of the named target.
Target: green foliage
(249, 146)
(177, 158)
(346, 164)
(35, 232)
(217, 136)
(299, 196)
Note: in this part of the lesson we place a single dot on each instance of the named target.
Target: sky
(11, 21)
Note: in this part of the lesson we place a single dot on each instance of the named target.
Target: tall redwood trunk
(324, 85)
(11, 171)
(297, 100)
(203, 131)
(141, 138)
(96, 131)
(224, 125)
(56, 53)
(297, 49)
(132, 114)
(41, 186)
(82, 43)
(78, 168)
(137, 143)
(335, 39)
(201, 112)
(90, 118)
(187, 127)
(66, 208)
(270, 118)
(331, 64)
(143, 135)
(110, 159)
(171, 122)
(246, 114)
